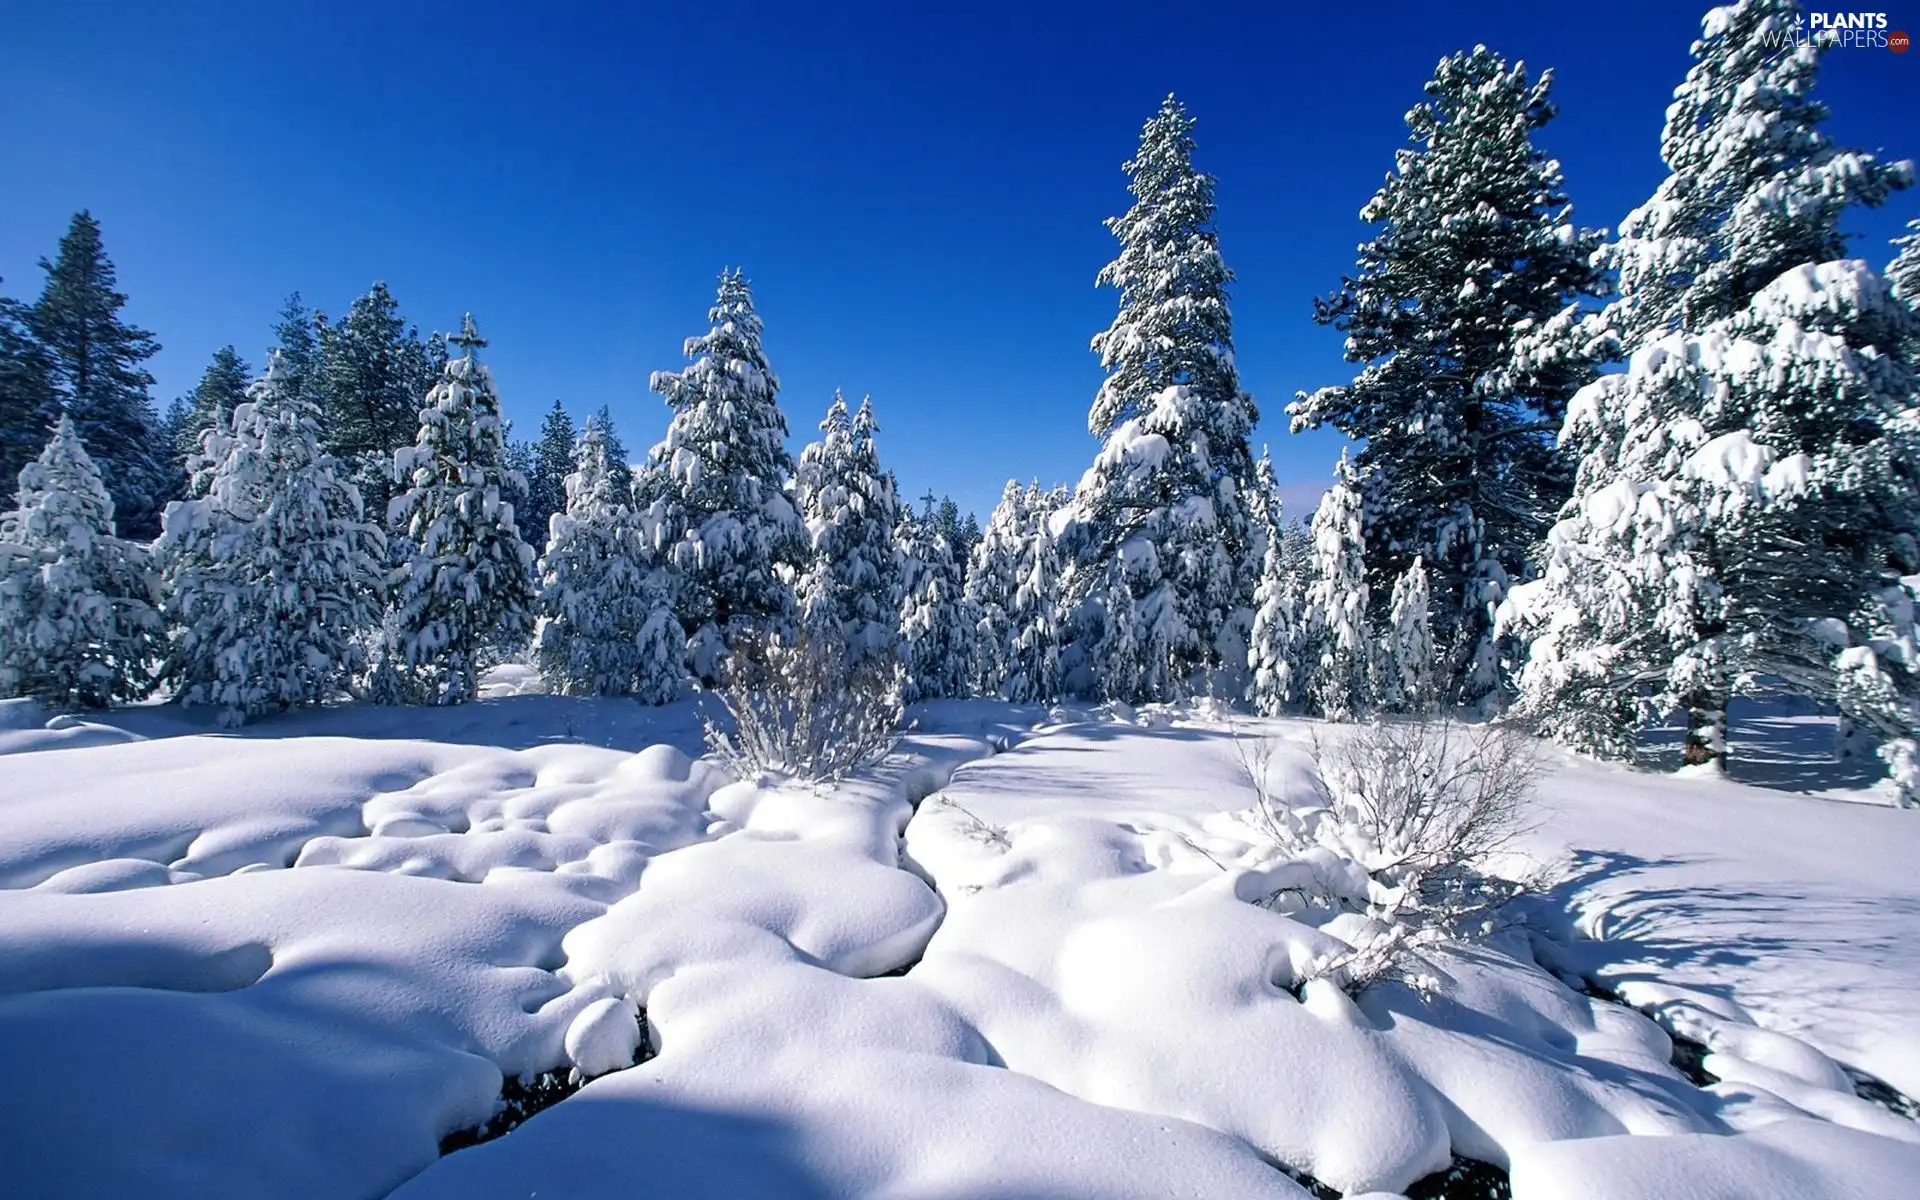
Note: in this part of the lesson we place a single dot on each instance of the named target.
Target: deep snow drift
(1018, 959)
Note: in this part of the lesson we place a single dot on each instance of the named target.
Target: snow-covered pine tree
(272, 573)
(1746, 500)
(78, 618)
(467, 579)
(850, 590)
(936, 620)
(554, 459)
(297, 342)
(98, 365)
(1270, 649)
(619, 470)
(1125, 651)
(1475, 251)
(222, 388)
(1903, 275)
(1766, 407)
(1168, 494)
(1010, 595)
(607, 626)
(716, 496)
(992, 580)
(1755, 186)
(1034, 670)
(372, 371)
(1407, 656)
(1336, 602)
(28, 403)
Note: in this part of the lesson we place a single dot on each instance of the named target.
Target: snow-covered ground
(1017, 960)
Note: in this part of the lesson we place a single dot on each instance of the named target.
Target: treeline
(1600, 478)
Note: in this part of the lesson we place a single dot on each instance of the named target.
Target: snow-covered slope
(1018, 959)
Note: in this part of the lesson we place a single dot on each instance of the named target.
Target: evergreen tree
(607, 626)
(936, 620)
(1011, 598)
(992, 580)
(1747, 498)
(1765, 410)
(553, 462)
(1476, 253)
(97, 364)
(1164, 509)
(1124, 651)
(223, 387)
(28, 403)
(272, 572)
(1034, 668)
(1755, 186)
(297, 342)
(372, 372)
(1276, 613)
(1903, 274)
(1336, 601)
(467, 579)
(716, 493)
(1407, 653)
(619, 469)
(78, 624)
(851, 588)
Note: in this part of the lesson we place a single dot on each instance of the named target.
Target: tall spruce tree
(850, 591)
(273, 574)
(607, 626)
(98, 365)
(78, 619)
(28, 403)
(467, 581)
(1476, 251)
(716, 492)
(553, 461)
(372, 372)
(1164, 512)
(1750, 478)
(1747, 499)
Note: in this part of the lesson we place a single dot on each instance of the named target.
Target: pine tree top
(61, 499)
(1173, 326)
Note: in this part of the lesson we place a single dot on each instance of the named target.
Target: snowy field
(1019, 959)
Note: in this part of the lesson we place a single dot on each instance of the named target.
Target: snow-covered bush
(799, 707)
(1390, 858)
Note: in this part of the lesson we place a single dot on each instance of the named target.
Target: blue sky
(915, 191)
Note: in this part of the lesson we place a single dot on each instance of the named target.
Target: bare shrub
(795, 707)
(1418, 807)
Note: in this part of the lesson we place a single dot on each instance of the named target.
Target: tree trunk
(1706, 743)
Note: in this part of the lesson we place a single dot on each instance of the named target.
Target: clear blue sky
(915, 191)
